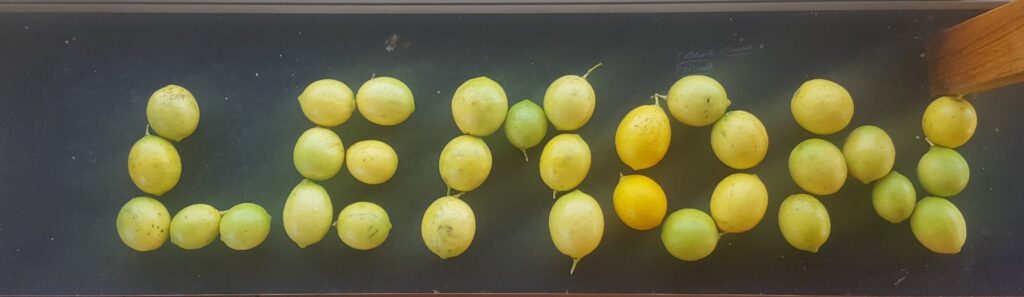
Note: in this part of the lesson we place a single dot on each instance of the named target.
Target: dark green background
(73, 90)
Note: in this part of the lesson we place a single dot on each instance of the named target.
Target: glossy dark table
(73, 89)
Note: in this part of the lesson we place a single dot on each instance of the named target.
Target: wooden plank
(980, 54)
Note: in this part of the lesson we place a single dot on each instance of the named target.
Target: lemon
(943, 172)
(639, 202)
(307, 213)
(154, 165)
(172, 112)
(576, 224)
(479, 106)
(894, 197)
(869, 153)
(569, 101)
(565, 162)
(697, 100)
(465, 163)
(318, 154)
(739, 202)
(142, 224)
(643, 136)
(817, 166)
(689, 234)
(195, 226)
(363, 225)
(822, 107)
(939, 225)
(245, 226)
(739, 140)
(372, 161)
(385, 101)
(327, 102)
(525, 126)
(804, 222)
(949, 121)
(448, 227)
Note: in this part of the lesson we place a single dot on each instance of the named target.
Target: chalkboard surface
(73, 90)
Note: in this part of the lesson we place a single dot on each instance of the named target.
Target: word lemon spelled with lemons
(739, 140)
(822, 107)
(142, 224)
(949, 121)
(639, 202)
(689, 234)
(385, 101)
(939, 225)
(525, 126)
(576, 224)
(363, 225)
(318, 154)
(697, 100)
(804, 222)
(817, 166)
(371, 161)
(869, 153)
(479, 106)
(448, 227)
(172, 112)
(565, 162)
(739, 202)
(307, 213)
(465, 163)
(154, 165)
(569, 101)
(643, 136)
(327, 102)
(195, 226)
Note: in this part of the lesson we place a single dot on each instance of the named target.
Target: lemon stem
(591, 70)
(657, 96)
(459, 195)
(147, 129)
(525, 156)
(574, 262)
(448, 192)
(553, 193)
(930, 143)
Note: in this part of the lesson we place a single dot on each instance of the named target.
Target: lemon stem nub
(525, 156)
(591, 70)
(929, 141)
(554, 194)
(147, 129)
(459, 195)
(574, 262)
(448, 192)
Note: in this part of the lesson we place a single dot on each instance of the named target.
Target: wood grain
(980, 54)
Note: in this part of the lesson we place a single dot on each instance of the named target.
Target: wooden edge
(980, 54)
(477, 6)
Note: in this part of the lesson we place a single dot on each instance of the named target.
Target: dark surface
(73, 90)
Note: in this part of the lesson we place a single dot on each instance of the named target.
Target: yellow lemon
(385, 101)
(739, 202)
(465, 163)
(327, 102)
(817, 166)
(949, 121)
(576, 224)
(943, 172)
(142, 224)
(804, 222)
(172, 112)
(363, 225)
(307, 213)
(195, 226)
(697, 100)
(372, 161)
(739, 140)
(939, 225)
(154, 165)
(479, 106)
(448, 227)
(639, 202)
(569, 101)
(869, 153)
(689, 234)
(565, 162)
(319, 154)
(822, 107)
(643, 137)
